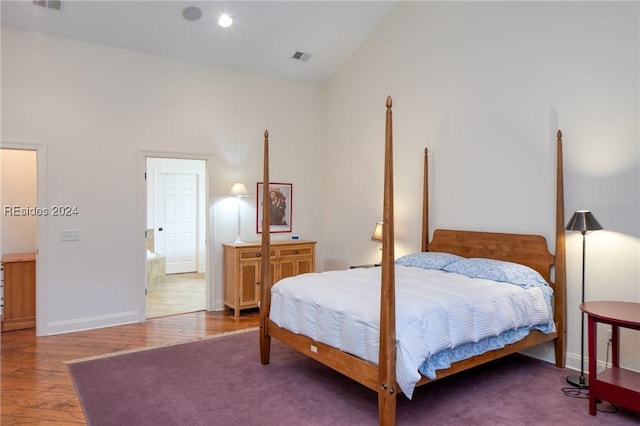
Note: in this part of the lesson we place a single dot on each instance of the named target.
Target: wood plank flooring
(35, 385)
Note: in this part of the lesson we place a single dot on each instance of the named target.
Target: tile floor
(178, 294)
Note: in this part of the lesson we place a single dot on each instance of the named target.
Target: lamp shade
(239, 190)
(377, 232)
(583, 221)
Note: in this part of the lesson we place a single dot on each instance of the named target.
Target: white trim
(91, 323)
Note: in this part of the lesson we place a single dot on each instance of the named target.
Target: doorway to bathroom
(175, 236)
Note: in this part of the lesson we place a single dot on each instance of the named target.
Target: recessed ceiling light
(192, 13)
(225, 20)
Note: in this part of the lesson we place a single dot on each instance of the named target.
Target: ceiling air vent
(51, 4)
(301, 56)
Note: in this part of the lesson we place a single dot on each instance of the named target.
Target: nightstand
(616, 385)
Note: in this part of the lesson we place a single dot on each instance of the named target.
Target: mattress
(436, 311)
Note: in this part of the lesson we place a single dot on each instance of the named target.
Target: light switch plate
(70, 235)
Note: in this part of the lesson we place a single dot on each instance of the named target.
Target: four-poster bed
(384, 371)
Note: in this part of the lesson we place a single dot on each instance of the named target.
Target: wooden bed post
(425, 203)
(387, 356)
(560, 261)
(265, 276)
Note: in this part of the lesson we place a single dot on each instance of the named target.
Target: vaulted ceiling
(263, 39)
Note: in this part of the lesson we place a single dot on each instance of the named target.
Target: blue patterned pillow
(497, 270)
(427, 260)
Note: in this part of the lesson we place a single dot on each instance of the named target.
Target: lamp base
(580, 382)
(238, 241)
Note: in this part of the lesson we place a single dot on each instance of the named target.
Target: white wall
(97, 110)
(485, 86)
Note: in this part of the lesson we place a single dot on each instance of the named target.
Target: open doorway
(175, 236)
(18, 238)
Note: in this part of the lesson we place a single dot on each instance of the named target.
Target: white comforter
(435, 310)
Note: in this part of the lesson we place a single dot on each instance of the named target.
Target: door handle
(160, 229)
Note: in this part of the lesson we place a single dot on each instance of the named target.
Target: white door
(176, 219)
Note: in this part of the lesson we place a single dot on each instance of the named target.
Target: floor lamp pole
(581, 381)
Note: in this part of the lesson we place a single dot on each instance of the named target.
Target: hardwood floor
(35, 385)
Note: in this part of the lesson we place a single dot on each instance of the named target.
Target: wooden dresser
(242, 269)
(19, 309)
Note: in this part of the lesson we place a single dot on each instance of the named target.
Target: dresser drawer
(306, 250)
(252, 254)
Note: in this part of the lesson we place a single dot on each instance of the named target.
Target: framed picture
(280, 197)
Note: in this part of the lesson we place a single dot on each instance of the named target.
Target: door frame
(40, 149)
(142, 224)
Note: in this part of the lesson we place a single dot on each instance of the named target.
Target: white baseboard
(90, 323)
(573, 363)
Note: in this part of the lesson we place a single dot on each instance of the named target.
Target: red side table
(615, 384)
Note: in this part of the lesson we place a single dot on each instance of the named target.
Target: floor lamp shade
(582, 221)
(239, 190)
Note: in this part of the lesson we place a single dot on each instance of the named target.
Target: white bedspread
(435, 310)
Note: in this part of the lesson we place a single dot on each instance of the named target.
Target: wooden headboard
(530, 250)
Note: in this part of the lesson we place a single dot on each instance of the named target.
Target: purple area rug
(220, 381)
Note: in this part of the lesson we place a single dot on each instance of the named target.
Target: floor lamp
(582, 221)
(238, 190)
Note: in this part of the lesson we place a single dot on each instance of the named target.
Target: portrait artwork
(280, 207)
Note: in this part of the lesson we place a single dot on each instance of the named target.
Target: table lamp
(238, 190)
